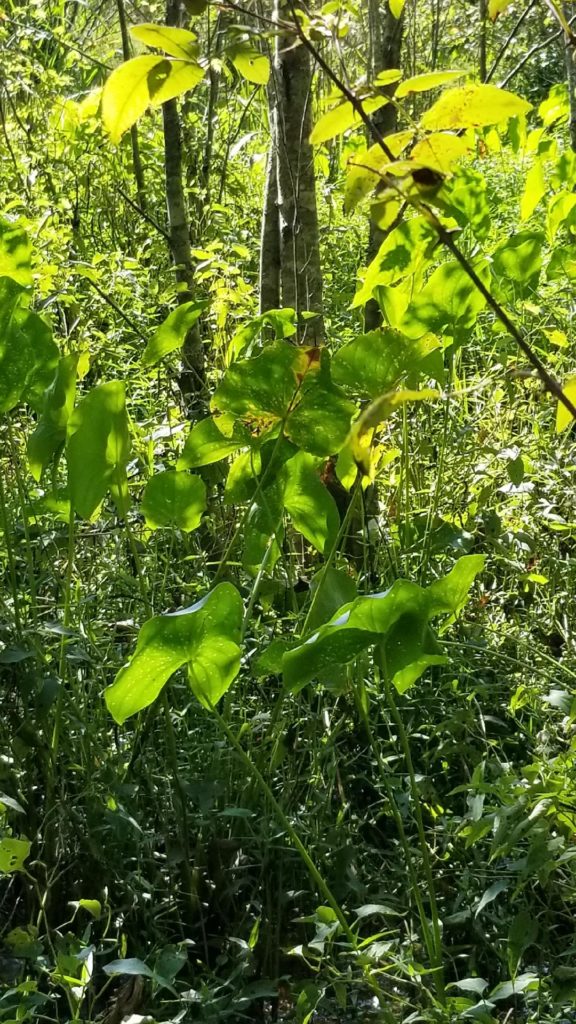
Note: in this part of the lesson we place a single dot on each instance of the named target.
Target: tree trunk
(571, 79)
(300, 271)
(193, 376)
(386, 43)
(270, 239)
(483, 33)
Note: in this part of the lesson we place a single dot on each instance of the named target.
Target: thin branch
(534, 49)
(145, 216)
(509, 39)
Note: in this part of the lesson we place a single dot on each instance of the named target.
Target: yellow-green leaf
(534, 190)
(178, 42)
(172, 78)
(366, 166)
(251, 64)
(429, 80)
(396, 7)
(496, 7)
(563, 417)
(473, 106)
(126, 94)
(440, 151)
(339, 119)
(388, 77)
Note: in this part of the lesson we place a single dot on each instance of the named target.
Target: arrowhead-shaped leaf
(205, 637)
(174, 499)
(28, 355)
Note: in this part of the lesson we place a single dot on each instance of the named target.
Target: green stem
(315, 874)
(426, 860)
(7, 531)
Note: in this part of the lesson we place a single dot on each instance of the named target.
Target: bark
(569, 51)
(300, 270)
(193, 376)
(270, 239)
(386, 43)
(483, 33)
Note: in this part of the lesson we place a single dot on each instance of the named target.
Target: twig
(509, 39)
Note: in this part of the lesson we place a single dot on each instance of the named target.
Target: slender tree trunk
(270, 239)
(386, 43)
(571, 79)
(193, 376)
(483, 30)
(300, 271)
(136, 158)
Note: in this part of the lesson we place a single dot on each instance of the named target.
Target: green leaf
(205, 637)
(131, 965)
(397, 619)
(174, 499)
(15, 252)
(211, 440)
(465, 198)
(496, 7)
(473, 106)
(28, 355)
(308, 502)
(396, 7)
(375, 362)
(343, 117)
(251, 64)
(522, 934)
(171, 78)
(178, 42)
(516, 264)
(13, 853)
(534, 190)
(126, 95)
(336, 587)
(405, 250)
(293, 384)
(562, 264)
(448, 301)
(50, 432)
(508, 989)
(93, 907)
(429, 80)
(172, 332)
(365, 167)
(563, 417)
(97, 449)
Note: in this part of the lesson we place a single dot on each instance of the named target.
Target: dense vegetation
(287, 531)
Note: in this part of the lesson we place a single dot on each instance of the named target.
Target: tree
(290, 237)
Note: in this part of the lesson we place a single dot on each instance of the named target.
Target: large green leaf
(13, 853)
(211, 440)
(342, 117)
(250, 63)
(516, 264)
(15, 252)
(174, 499)
(126, 94)
(404, 250)
(172, 332)
(205, 637)
(178, 42)
(97, 449)
(473, 106)
(50, 432)
(28, 355)
(373, 363)
(448, 301)
(397, 619)
(292, 384)
(309, 503)
(141, 82)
